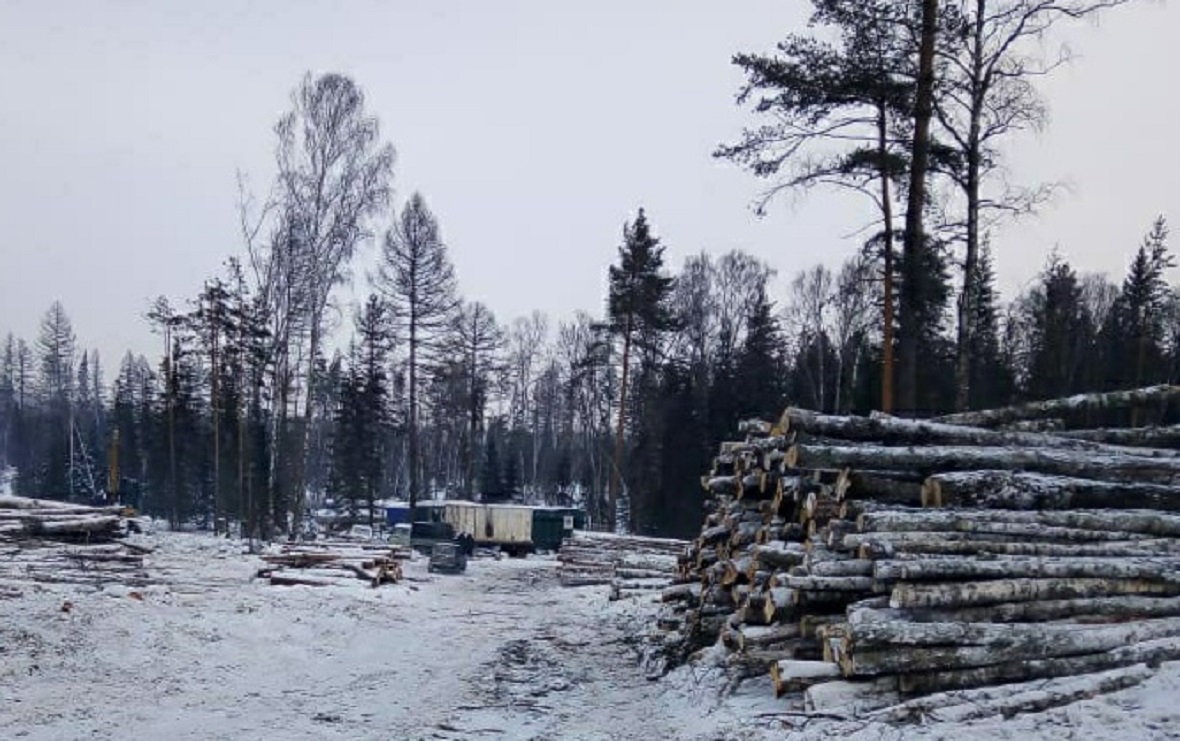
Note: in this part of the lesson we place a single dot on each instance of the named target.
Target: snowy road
(500, 652)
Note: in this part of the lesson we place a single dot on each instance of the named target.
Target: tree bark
(887, 235)
(1040, 642)
(970, 594)
(1088, 403)
(1124, 524)
(887, 430)
(957, 706)
(945, 569)
(617, 461)
(851, 698)
(942, 459)
(831, 583)
(1091, 609)
(1018, 490)
(887, 545)
(915, 238)
(1147, 437)
(1150, 652)
(794, 676)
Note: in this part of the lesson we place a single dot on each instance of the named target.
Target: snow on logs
(336, 564)
(632, 565)
(902, 569)
(48, 541)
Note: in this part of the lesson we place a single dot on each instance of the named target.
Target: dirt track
(500, 652)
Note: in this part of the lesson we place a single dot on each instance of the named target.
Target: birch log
(1018, 490)
(1149, 652)
(942, 459)
(969, 594)
(1061, 407)
(888, 430)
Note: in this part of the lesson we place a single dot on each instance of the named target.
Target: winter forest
(270, 392)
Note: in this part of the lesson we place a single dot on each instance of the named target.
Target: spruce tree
(638, 313)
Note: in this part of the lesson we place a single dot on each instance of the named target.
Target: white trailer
(505, 526)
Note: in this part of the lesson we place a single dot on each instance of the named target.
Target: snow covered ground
(500, 652)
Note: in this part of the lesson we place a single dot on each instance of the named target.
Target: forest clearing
(855, 575)
(475, 370)
(505, 651)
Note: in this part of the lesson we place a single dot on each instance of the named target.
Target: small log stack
(46, 541)
(334, 564)
(632, 565)
(904, 569)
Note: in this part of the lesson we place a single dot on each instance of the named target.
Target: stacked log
(46, 541)
(631, 565)
(337, 564)
(874, 565)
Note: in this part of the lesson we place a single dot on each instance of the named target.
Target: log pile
(329, 564)
(891, 568)
(51, 542)
(632, 565)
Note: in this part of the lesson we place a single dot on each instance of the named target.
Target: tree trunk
(1144, 437)
(958, 706)
(794, 676)
(915, 238)
(1019, 490)
(415, 468)
(941, 459)
(830, 583)
(1151, 652)
(851, 698)
(1088, 403)
(888, 545)
(1165, 569)
(887, 237)
(617, 460)
(1125, 524)
(921, 647)
(1085, 610)
(895, 431)
(970, 594)
(967, 296)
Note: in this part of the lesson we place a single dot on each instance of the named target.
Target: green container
(551, 525)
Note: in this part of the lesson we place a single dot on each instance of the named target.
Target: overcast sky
(533, 128)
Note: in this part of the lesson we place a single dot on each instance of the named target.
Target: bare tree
(334, 176)
(696, 306)
(526, 348)
(807, 311)
(416, 276)
(479, 340)
(852, 318)
(741, 281)
(990, 54)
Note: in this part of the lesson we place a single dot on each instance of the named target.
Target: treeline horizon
(245, 416)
